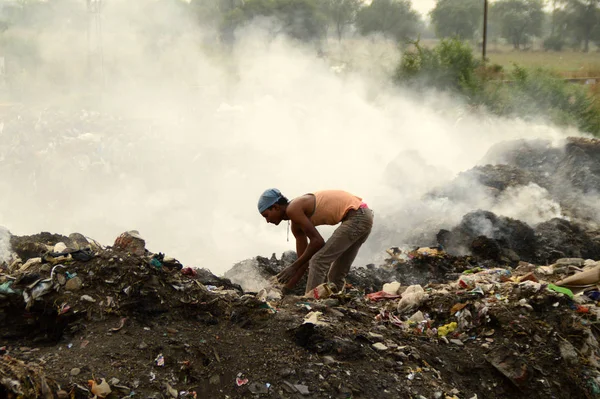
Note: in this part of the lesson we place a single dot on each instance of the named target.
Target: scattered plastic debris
(240, 380)
(160, 360)
(561, 290)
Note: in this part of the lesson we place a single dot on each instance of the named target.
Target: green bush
(526, 93)
(449, 66)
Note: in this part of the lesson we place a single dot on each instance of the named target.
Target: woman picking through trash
(326, 262)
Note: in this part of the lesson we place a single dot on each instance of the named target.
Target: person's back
(331, 206)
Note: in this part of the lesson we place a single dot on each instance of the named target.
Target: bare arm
(296, 270)
(301, 239)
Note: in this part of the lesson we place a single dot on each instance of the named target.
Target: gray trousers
(332, 262)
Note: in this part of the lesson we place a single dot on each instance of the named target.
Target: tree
(559, 31)
(583, 20)
(451, 65)
(457, 18)
(341, 14)
(300, 19)
(393, 18)
(518, 20)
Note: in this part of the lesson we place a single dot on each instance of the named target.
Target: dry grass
(571, 64)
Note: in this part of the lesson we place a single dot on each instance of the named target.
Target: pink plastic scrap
(381, 295)
(241, 381)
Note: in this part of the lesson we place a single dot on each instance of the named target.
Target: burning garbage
(516, 305)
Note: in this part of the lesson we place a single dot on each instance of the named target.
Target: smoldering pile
(528, 200)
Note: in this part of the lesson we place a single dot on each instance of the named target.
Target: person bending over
(326, 261)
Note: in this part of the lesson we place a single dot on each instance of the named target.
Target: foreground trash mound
(82, 321)
(74, 279)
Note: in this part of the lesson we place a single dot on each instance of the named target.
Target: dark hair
(281, 201)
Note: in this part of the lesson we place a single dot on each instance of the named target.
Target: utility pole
(94, 38)
(485, 19)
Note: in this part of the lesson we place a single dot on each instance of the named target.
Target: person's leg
(320, 263)
(341, 266)
(350, 231)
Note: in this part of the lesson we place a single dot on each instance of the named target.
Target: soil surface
(151, 329)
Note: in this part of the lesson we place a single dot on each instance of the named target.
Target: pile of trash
(550, 190)
(79, 319)
(570, 175)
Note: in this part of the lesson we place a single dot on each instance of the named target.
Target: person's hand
(287, 274)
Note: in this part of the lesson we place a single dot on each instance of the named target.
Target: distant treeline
(560, 23)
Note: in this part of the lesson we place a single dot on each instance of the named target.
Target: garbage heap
(551, 191)
(81, 320)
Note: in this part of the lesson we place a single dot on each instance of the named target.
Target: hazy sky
(423, 6)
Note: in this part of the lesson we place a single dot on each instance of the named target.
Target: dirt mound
(559, 238)
(581, 164)
(576, 162)
(573, 166)
(142, 325)
(537, 156)
(499, 177)
(27, 247)
(491, 237)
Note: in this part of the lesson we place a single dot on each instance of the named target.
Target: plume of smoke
(531, 204)
(5, 248)
(188, 136)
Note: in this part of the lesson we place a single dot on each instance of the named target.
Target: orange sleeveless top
(331, 206)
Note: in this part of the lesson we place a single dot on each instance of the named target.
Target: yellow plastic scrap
(427, 251)
(447, 329)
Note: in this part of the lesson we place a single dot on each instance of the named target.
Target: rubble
(144, 325)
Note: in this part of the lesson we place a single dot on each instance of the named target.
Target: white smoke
(5, 248)
(531, 204)
(196, 132)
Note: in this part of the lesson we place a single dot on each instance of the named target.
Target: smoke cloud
(5, 249)
(175, 136)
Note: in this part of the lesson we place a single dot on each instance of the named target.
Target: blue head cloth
(268, 199)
